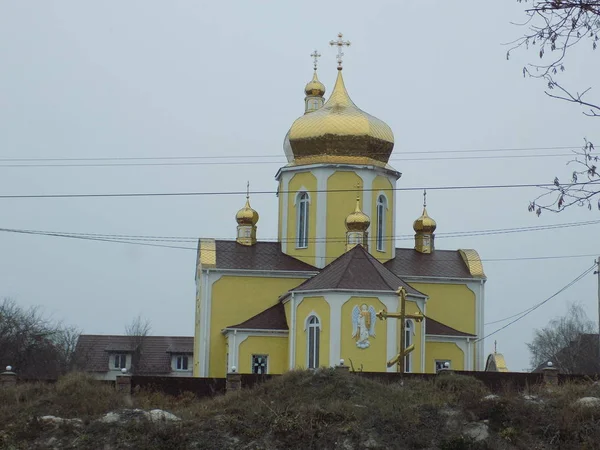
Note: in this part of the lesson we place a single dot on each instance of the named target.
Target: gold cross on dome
(247, 189)
(340, 43)
(424, 198)
(315, 56)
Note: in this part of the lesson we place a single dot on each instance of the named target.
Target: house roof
(261, 256)
(92, 351)
(439, 263)
(272, 318)
(579, 357)
(357, 270)
(433, 327)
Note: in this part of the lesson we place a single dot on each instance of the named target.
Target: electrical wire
(533, 308)
(215, 193)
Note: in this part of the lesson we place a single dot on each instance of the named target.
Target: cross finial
(424, 198)
(315, 56)
(495, 346)
(340, 43)
(247, 189)
(357, 191)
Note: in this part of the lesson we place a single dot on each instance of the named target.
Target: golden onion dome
(340, 132)
(315, 87)
(357, 220)
(246, 215)
(424, 224)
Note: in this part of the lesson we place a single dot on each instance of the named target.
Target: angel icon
(363, 324)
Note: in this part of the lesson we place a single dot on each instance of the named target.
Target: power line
(152, 244)
(244, 162)
(195, 157)
(215, 193)
(533, 308)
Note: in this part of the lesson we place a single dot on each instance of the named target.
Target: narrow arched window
(408, 334)
(381, 211)
(302, 219)
(313, 328)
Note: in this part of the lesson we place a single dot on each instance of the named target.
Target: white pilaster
(283, 214)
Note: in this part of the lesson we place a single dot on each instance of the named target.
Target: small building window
(259, 364)
(408, 335)
(381, 212)
(120, 361)
(442, 364)
(302, 219)
(313, 341)
(181, 362)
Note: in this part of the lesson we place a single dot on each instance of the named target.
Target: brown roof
(358, 270)
(261, 256)
(272, 318)
(93, 351)
(439, 329)
(440, 263)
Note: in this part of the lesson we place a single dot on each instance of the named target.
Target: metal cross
(424, 198)
(315, 56)
(247, 189)
(340, 43)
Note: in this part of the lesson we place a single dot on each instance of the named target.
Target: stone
(127, 415)
(478, 431)
(587, 402)
(160, 415)
(57, 421)
(490, 398)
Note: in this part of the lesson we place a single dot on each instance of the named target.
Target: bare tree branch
(137, 331)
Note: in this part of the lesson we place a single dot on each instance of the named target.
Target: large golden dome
(340, 132)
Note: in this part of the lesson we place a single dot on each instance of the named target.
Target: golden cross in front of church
(340, 44)
(315, 56)
(402, 316)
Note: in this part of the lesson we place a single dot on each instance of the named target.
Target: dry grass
(308, 410)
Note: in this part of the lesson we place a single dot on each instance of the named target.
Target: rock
(532, 399)
(110, 417)
(478, 431)
(57, 421)
(491, 398)
(159, 414)
(587, 402)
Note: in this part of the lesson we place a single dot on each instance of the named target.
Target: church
(334, 287)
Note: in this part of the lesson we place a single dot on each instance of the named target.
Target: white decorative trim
(283, 214)
(479, 355)
(393, 233)
(292, 340)
(205, 313)
(386, 238)
(385, 171)
(265, 273)
(301, 190)
(310, 314)
(424, 310)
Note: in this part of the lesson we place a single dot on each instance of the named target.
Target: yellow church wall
(373, 358)
(382, 184)
(339, 205)
(443, 351)
(275, 347)
(451, 304)
(320, 307)
(307, 181)
(234, 300)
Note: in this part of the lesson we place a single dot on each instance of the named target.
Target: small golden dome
(357, 220)
(340, 129)
(246, 215)
(315, 87)
(424, 224)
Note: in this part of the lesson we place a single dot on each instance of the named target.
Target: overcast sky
(82, 79)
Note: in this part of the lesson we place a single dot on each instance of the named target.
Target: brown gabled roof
(356, 270)
(92, 351)
(440, 263)
(261, 256)
(272, 318)
(439, 329)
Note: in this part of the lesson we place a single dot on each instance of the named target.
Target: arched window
(408, 334)
(381, 211)
(313, 340)
(302, 219)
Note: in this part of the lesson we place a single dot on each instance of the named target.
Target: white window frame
(382, 206)
(264, 355)
(176, 360)
(315, 328)
(302, 203)
(122, 357)
(409, 332)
